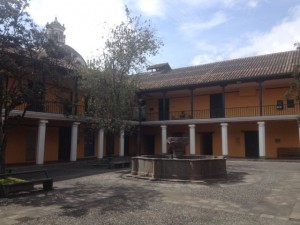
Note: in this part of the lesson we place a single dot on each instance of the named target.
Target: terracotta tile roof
(257, 67)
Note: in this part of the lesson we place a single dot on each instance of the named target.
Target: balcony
(54, 107)
(251, 111)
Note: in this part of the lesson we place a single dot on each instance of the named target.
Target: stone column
(192, 139)
(40, 149)
(74, 138)
(121, 147)
(299, 131)
(163, 139)
(261, 139)
(224, 138)
(100, 143)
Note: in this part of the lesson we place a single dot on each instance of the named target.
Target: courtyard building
(234, 108)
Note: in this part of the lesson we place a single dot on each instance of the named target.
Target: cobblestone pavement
(255, 192)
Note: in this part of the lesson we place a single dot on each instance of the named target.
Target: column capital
(192, 125)
(43, 121)
(224, 124)
(76, 123)
(261, 123)
(163, 126)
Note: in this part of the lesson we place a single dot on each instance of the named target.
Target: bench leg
(48, 185)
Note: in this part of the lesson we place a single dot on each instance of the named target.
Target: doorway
(216, 106)
(110, 144)
(149, 144)
(126, 144)
(31, 145)
(251, 144)
(163, 115)
(89, 140)
(64, 148)
(207, 143)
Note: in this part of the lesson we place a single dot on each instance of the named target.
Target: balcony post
(41, 142)
(192, 103)
(192, 139)
(163, 139)
(224, 127)
(139, 127)
(223, 100)
(164, 106)
(260, 97)
(261, 139)
(121, 147)
(74, 137)
(299, 130)
(100, 143)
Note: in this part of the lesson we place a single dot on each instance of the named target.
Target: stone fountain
(178, 165)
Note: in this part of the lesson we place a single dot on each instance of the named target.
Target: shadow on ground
(76, 201)
(231, 179)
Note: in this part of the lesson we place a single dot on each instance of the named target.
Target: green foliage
(10, 180)
(294, 89)
(110, 91)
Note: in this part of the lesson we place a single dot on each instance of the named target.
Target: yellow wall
(16, 145)
(238, 99)
(281, 134)
(51, 144)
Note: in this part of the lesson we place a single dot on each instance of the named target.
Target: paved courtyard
(255, 192)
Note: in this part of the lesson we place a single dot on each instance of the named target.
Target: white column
(299, 131)
(261, 139)
(121, 147)
(74, 138)
(192, 139)
(163, 139)
(40, 149)
(100, 143)
(224, 139)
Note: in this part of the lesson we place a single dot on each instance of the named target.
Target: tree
(294, 89)
(27, 60)
(110, 90)
(19, 41)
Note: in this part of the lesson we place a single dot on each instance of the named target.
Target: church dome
(55, 32)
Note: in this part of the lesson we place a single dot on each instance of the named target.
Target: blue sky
(193, 31)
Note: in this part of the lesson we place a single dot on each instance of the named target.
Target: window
(290, 103)
(279, 104)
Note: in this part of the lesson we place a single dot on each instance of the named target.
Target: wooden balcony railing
(251, 111)
(54, 107)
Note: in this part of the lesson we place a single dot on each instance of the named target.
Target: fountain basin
(196, 167)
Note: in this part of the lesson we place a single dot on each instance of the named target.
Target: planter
(15, 186)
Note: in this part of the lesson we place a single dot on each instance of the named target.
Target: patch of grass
(10, 180)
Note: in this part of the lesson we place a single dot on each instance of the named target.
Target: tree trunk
(2, 152)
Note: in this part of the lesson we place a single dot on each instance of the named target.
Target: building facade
(235, 108)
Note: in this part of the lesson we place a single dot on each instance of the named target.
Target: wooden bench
(118, 164)
(288, 153)
(29, 179)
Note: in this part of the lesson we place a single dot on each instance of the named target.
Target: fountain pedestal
(177, 146)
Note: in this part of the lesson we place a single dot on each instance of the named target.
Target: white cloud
(252, 3)
(217, 19)
(280, 38)
(151, 7)
(226, 3)
(206, 58)
(83, 21)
